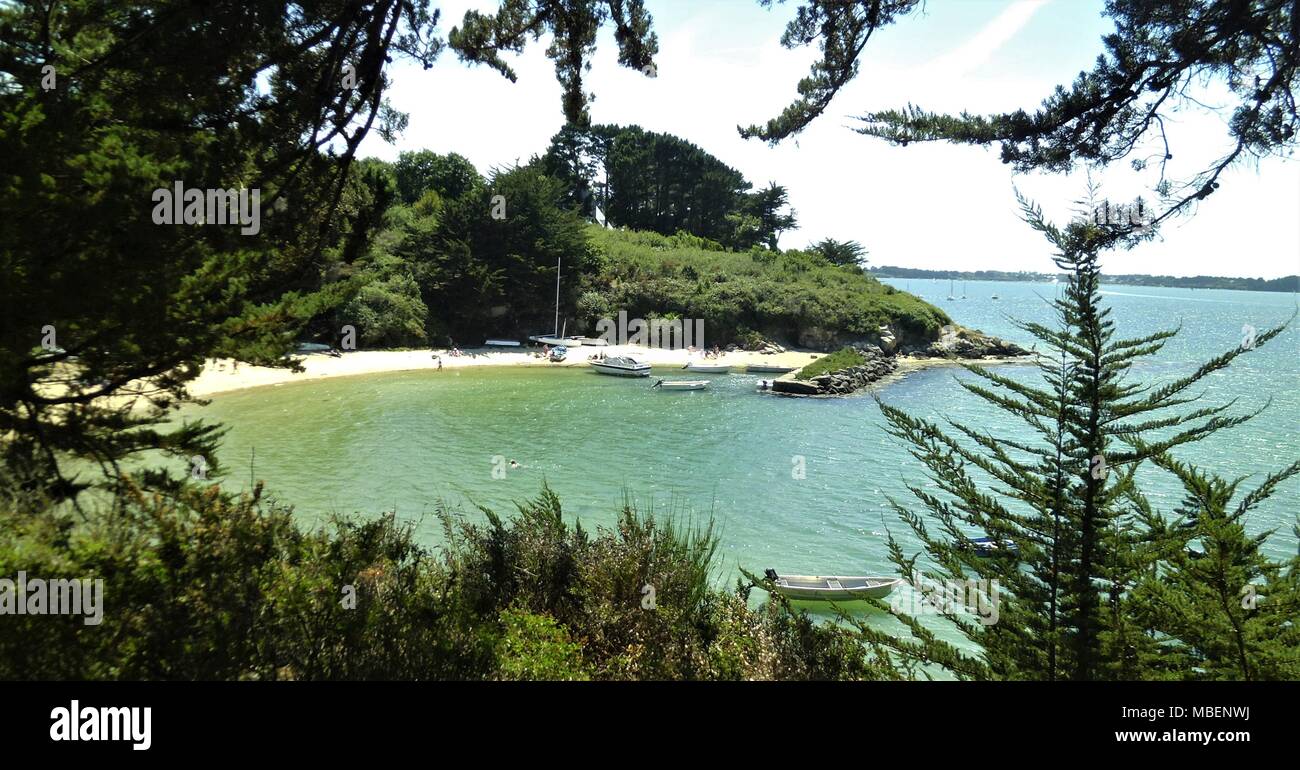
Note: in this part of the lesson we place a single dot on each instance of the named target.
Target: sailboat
(556, 337)
(963, 290)
(950, 297)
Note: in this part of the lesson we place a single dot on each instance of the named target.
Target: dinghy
(707, 368)
(827, 588)
(769, 369)
(681, 384)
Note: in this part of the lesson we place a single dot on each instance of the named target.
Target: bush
(783, 294)
(843, 358)
(206, 585)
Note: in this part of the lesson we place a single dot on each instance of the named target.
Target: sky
(933, 206)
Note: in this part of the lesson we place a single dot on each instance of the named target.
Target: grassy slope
(840, 359)
(793, 297)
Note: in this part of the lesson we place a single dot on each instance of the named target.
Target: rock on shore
(882, 359)
(959, 342)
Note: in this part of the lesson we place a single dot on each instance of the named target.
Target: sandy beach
(222, 375)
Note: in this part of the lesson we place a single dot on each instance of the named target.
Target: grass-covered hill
(793, 297)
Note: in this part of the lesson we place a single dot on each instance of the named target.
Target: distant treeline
(1285, 283)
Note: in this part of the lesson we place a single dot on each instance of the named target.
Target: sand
(221, 375)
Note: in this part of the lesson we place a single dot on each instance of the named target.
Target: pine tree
(1223, 610)
(111, 308)
(1066, 500)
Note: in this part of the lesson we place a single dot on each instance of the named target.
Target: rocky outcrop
(841, 382)
(960, 342)
(758, 345)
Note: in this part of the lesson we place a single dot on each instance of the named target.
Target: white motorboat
(681, 384)
(838, 588)
(692, 366)
(621, 366)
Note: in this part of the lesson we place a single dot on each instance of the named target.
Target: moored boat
(987, 546)
(827, 588)
(692, 366)
(681, 384)
(621, 366)
(501, 343)
(769, 369)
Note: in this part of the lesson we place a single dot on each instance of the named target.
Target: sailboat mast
(557, 297)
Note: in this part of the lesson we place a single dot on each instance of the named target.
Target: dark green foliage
(841, 28)
(205, 585)
(573, 25)
(1232, 611)
(389, 313)
(1160, 49)
(226, 96)
(840, 252)
(451, 176)
(649, 181)
(771, 207)
(480, 275)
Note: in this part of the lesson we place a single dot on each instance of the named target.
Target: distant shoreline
(1285, 285)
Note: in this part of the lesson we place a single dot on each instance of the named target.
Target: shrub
(207, 585)
(843, 358)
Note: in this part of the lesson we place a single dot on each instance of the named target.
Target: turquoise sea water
(405, 441)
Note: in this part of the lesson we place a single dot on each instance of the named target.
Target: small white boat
(839, 588)
(621, 366)
(574, 342)
(548, 339)
(691, 366)
(681, 384)
(769, 368)
(502, 343)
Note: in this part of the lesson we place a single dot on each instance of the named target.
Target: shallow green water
(405, 441)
